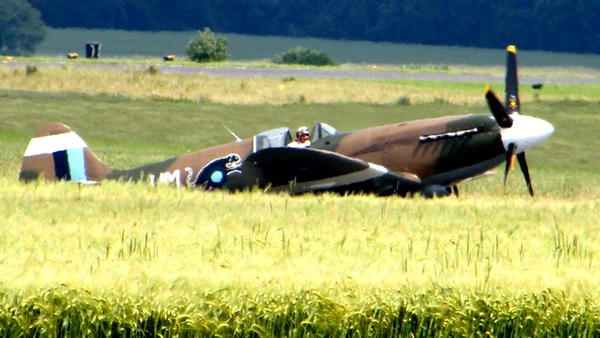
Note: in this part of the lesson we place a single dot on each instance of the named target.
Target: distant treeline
(551, 25)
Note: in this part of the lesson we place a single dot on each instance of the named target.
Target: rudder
(58, 153)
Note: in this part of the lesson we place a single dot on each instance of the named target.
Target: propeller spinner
(519, 133)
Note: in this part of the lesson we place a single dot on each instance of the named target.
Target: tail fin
(57, 153)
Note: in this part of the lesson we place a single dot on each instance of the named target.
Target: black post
(92, 49)
(88, 50)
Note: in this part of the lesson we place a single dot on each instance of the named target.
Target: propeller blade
(502, 117)
(509, 159)
(512, 81)
(525, 170)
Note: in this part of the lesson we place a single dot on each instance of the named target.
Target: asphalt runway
(310, 73)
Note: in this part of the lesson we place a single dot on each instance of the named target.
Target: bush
(403, 101)
(304, 56)
(207, 47)
(29, 70)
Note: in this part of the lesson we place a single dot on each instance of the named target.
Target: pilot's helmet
(302, 131)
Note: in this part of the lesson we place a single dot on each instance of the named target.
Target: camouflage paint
(427, 156)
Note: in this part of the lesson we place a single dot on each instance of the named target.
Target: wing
(309, 170)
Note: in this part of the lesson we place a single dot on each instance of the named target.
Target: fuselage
(440, 151)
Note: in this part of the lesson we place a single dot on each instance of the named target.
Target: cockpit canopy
(273, 138)
(321, 130)
(280, 137)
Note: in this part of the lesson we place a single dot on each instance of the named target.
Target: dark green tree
(207, 47)
(21, 28)
(552, 25)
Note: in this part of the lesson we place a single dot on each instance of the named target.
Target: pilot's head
(302, 131)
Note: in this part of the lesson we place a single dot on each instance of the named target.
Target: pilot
(302, 138)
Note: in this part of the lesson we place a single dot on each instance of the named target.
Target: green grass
(136, 131)
(126, 44)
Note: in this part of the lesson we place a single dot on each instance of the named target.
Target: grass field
(124, 259)
(127, 44)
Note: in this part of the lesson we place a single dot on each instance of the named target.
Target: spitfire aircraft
(428, 157)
